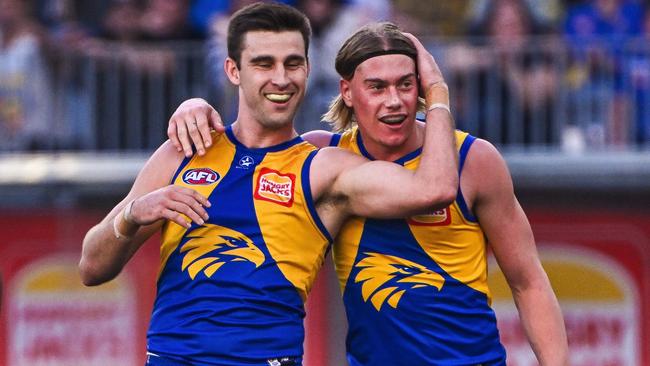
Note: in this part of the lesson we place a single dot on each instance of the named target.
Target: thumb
(215, 121)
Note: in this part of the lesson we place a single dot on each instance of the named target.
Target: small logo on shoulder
(245, 162)
(201, 176)
(275, 187)
(436, 218)
(284, 361)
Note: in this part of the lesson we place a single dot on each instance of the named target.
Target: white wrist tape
(439, 105)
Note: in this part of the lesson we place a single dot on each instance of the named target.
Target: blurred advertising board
(599, 266)
(598, 263)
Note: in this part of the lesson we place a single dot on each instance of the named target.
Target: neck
(386, 152)
(254, 135)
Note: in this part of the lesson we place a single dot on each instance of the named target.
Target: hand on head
(427, 67)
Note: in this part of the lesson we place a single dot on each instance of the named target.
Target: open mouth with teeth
(278, 98)
(393, 120)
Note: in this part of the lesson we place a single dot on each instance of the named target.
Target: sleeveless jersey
(415, 290)
(231, 291)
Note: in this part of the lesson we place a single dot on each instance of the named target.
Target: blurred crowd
(570, 73)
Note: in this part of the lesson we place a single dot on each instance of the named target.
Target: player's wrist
(437, 96)
(124, 225)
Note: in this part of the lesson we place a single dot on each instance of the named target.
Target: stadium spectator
(515, 81)
(332, 22)
(597, 33)
(26, 121)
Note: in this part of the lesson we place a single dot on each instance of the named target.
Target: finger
(200, 198)
(175, 217)
(187, 210)
(191, 198)
(194, 204)
(193, 131)
(172, 133)
(216, 122)
(184, 138)
(204, 129)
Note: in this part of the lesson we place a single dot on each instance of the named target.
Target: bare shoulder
(327, 166)
(337, 159)
(318, 138)
(160, 168)
(485, 172)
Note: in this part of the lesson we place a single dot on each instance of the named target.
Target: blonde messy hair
(371, 40)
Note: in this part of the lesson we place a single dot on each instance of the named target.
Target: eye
(406, 269)
(407, 84)
(264, 65)
(293, 65)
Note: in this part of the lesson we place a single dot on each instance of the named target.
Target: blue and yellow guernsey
(231, 291)
(415, 290)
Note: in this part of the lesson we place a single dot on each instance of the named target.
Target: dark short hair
(265, 16)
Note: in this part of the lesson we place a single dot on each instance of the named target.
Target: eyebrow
(293, 58)
(267, 58)
(261, 59)
(382, 81)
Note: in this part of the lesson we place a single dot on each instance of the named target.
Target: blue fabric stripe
(408, 157)
(362, 148)
(336, 137)
(464, 149)
(279, 147)
(180, 168)
(306, 188)
(401, 161)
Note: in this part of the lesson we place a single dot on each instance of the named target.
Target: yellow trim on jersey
(219, 156)
(458, 247)
(279, 224)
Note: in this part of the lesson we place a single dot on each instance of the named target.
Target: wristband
(439, 105)
(437, 93)
(126, 215)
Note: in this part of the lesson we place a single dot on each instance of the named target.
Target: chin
(394, 141)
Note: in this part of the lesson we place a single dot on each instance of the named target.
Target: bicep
(379, 189)
(505, 224)
(318, 138)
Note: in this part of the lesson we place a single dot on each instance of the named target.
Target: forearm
(104, 254)
(439, 162)
(543, 323)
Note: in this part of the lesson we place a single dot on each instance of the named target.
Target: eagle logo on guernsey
(386, 278)
(200, 176)
(275, 187)
(211, 246)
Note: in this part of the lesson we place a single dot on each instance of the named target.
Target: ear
(346, 92)
(232, 71)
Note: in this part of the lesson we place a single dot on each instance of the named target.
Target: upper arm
(156, 173)
(318, 138)
(378, 189)
(500, 215)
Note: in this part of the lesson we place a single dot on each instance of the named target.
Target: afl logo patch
(275, 187)
(200, 176)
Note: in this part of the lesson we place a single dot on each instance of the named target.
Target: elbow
(443, 196)
(91, 275)
(432, 201)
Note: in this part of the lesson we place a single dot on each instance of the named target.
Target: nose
(279, 77)
(393, 99)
